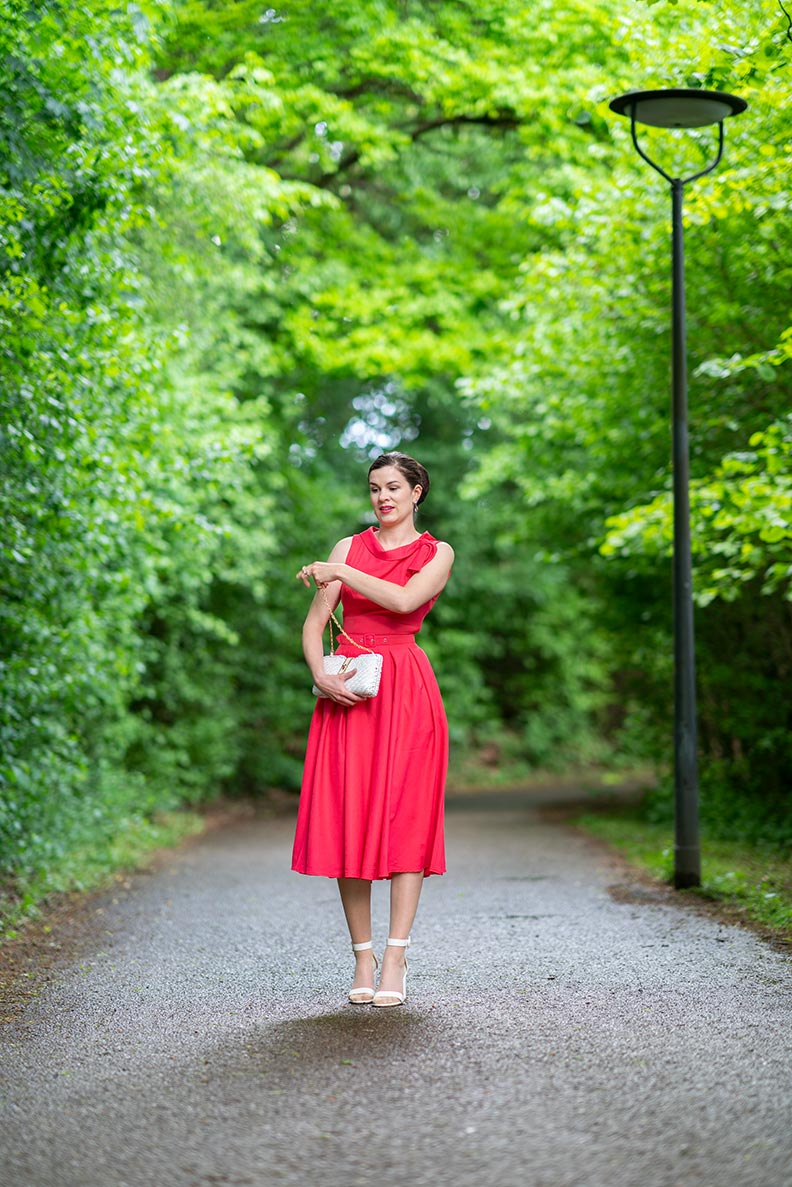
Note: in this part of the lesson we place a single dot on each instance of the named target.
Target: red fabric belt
(379, 640)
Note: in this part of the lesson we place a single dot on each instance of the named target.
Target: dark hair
(407, 466)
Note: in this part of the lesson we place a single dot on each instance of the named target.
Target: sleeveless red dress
(371, 803)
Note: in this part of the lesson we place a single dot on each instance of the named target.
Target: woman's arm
(314, 627)
(401, 599)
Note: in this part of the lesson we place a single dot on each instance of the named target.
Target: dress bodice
(361, 615)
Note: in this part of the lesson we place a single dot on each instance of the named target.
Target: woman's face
(392, 497)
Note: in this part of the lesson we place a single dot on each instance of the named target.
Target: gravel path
(556, 1034)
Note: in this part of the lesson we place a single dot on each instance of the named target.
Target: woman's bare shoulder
(445, 550)
(340, 551)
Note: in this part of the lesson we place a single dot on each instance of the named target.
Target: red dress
(371, 803)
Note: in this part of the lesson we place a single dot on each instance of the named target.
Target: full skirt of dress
(374, 783)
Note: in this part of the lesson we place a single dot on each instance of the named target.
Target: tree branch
(506, 121)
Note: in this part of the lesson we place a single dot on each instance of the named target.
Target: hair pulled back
(413, 471)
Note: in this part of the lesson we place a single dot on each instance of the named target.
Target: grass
(754, 883)
(494, 767)
(132, 846)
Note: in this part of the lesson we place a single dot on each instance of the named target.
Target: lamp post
(681, 108)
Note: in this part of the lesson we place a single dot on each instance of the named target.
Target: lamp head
(678, 107)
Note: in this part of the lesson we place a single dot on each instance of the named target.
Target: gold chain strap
(340, 629)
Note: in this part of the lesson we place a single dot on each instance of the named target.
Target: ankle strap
(363, 947)
(398, 943)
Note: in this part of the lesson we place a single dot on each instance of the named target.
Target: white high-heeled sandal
(395, 998)
(364, 995)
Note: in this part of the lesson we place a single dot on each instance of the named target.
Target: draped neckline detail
(369, 538)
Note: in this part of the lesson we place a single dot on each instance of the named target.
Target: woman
(372, 796)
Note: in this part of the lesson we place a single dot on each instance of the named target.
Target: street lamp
(681, 108)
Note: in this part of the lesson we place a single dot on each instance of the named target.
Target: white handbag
(368, 665)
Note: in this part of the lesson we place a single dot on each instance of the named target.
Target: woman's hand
(334, 687)
(322, 572)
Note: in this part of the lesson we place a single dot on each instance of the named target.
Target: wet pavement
(559, 1032)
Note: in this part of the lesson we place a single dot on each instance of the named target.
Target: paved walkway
(556, 1035)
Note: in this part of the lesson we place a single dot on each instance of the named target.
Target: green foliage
(741, 516)
(242, 250)
(752, 882)
(125, 496)
(581, 408)
(125, 843)
(399, 283)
